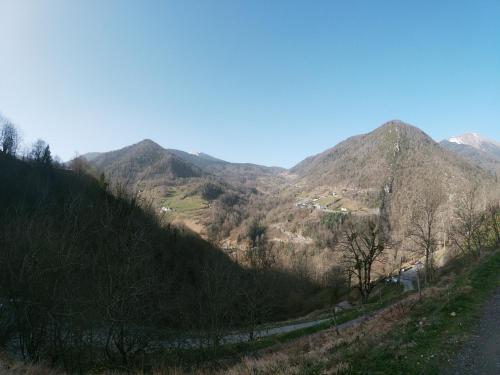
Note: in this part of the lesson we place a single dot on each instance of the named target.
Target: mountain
(476, 150)
(233, 172)
(383, 171)
(477, 157)
(145, 160)
(208, 195)
(370, 159)
(478, 142)
(388, 168)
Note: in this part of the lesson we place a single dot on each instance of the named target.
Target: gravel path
(408, 279)
(481, 354)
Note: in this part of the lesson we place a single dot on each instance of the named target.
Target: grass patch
(181, 203)
(436, 327)
(329, 199)
(232, 353)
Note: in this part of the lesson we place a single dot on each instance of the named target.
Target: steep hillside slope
(248, 174)
(485, 159)
(371, 159)
(94, 269)
(395, 162)
(208, 195)
(145, 160)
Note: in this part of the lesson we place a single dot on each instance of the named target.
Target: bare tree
(493, 213)
(259, 251)
(37, 150)
(423, 228)
(215, 302)
(467, 227)
(40, 153)
(362, 244)
(257, 293)
(9, 137)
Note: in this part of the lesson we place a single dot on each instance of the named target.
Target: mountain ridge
(476, 149)
(388, 168)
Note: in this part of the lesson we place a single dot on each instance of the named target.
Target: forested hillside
(87, 275)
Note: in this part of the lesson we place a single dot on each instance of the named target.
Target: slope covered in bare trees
(88, 274)
(395, 163)
(389, 172)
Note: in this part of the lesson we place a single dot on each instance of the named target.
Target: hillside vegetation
(88, 277)
(489, 161)
(99, 271)
(387, 172)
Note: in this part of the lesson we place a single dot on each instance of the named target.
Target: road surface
(408, 278)
(481, 354)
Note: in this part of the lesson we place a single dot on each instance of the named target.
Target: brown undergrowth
(319, 353)
(324, 352)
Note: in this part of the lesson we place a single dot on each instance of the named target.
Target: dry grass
(10, 366)
(322, 349)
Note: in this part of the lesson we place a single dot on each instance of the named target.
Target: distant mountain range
(148, 160)
(478, 142)
(375, 158)
(145, 160)
(386, 168)
(476, 149)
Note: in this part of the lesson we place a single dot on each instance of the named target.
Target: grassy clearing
(435, 328)
(184, 204)
(329, 199)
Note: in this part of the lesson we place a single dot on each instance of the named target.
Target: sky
(268, 82)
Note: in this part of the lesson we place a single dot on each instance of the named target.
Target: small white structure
(343, 209)
(166, 209)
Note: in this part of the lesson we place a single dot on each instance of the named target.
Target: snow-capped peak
(471, 139)
(478, 142)
(456, 140)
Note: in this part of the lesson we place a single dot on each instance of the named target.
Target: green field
(325, 201)
(180, 203)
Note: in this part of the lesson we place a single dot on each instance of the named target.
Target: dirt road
(481, 354)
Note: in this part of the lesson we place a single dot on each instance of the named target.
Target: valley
(379, 173)
(249, 187)
(189, 258)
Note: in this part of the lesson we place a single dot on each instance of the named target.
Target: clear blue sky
(269, 82)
